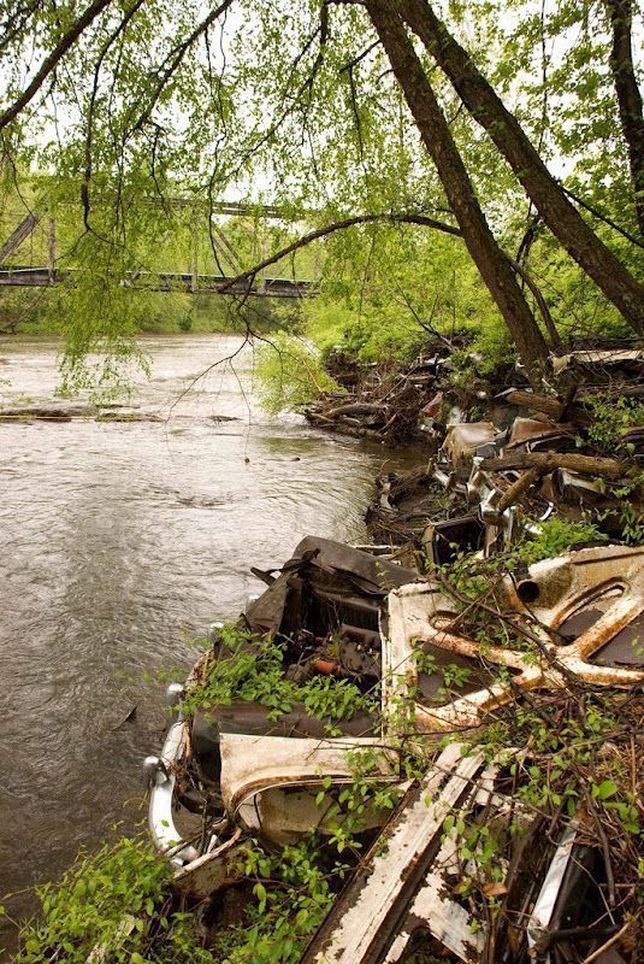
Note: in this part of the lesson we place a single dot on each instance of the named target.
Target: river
(120, 543)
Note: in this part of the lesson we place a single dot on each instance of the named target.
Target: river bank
(412, 506)
(510, 633)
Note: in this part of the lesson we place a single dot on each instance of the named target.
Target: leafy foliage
(251, 668)
(289, 373)
(611, 420)
(114, 902)
(557, 536)
(152, 119)
(293, 892)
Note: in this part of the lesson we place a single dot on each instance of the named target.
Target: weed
(251, 668)
(557, 536)
(117, 901)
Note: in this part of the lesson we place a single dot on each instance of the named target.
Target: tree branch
(420, 219)
(122, 25)
(177, 58)
(54, 58)
(549, 461)
(602, 217)
(555, 340)
(629, 98)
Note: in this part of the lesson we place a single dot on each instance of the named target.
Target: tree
(558, 213)
(488, 257)
(128, 107)
(628, 96)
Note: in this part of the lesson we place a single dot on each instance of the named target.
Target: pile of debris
(517, 841)
(534, 454)
(389, 402)
(382, 403)
(239, 771)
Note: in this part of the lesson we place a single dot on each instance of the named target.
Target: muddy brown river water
(121, 542)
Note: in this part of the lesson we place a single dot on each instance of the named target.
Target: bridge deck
(23, 276)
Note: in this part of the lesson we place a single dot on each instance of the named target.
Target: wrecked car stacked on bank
(426, 666)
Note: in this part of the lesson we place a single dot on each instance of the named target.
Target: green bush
(558, 536)
(289, 374)
(116, 900)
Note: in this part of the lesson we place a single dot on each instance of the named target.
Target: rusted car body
(236, 771)
(264, 775)
(581, 614)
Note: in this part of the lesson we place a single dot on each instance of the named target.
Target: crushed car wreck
(354, 669)
(277, 777)
(324, 609)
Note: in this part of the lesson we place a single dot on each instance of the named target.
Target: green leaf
(604, 790)
(260, 892)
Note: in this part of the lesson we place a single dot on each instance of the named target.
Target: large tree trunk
(486, 254)
(562, 218)
(629, 98)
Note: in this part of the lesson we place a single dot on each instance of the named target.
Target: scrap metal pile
(389, 403)
(532, 455)
(440, 669)
(379, 403)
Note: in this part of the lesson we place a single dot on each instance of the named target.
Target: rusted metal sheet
(531, 432)
(270, 785)
(443, 540)
(392, 882)
(211, 872)
(608, 578)
(409, 885)
(598, 358)
(450, 924)
(337, 575)
(461, 443)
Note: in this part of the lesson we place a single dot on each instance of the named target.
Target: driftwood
(550, 461)
(127, 417)
(65, 413)
(516, 490)
(357, 408)
(55, 413)
(553, 407)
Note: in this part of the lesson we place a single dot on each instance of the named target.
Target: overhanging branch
(50, 62)
(419, 219)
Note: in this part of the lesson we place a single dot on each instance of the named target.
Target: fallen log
(553, 407)
(516, 490)
(356, 408)
(342, 426)
(550, 461)
(49, 413)
(65, 413)
(127, 417)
